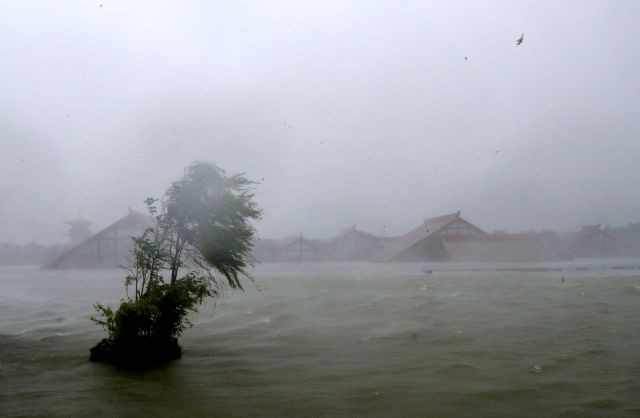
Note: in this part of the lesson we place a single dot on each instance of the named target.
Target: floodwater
(339, 339)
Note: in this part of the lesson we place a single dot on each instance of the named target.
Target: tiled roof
(429, 227)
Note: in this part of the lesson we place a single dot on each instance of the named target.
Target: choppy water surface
(339, 339)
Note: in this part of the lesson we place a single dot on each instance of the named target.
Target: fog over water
(374, 113)
(338, 340)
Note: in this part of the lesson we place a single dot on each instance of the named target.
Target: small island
(198, 246)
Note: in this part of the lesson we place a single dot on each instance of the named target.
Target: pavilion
(107, 248)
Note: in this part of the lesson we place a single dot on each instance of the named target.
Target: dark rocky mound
(137, 353)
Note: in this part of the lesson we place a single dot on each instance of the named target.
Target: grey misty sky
(352, 112)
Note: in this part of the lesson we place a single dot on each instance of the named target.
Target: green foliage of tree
(199, 245)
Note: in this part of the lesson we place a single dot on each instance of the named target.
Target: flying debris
(520, 39)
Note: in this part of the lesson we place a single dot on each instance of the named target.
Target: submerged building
(454, 239)
(447, 238)
(425, 242)
(593, 241)
(107, 248)
(301, 249)
(352, 244)
(265, 250)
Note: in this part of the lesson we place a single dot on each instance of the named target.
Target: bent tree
(198, 246)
